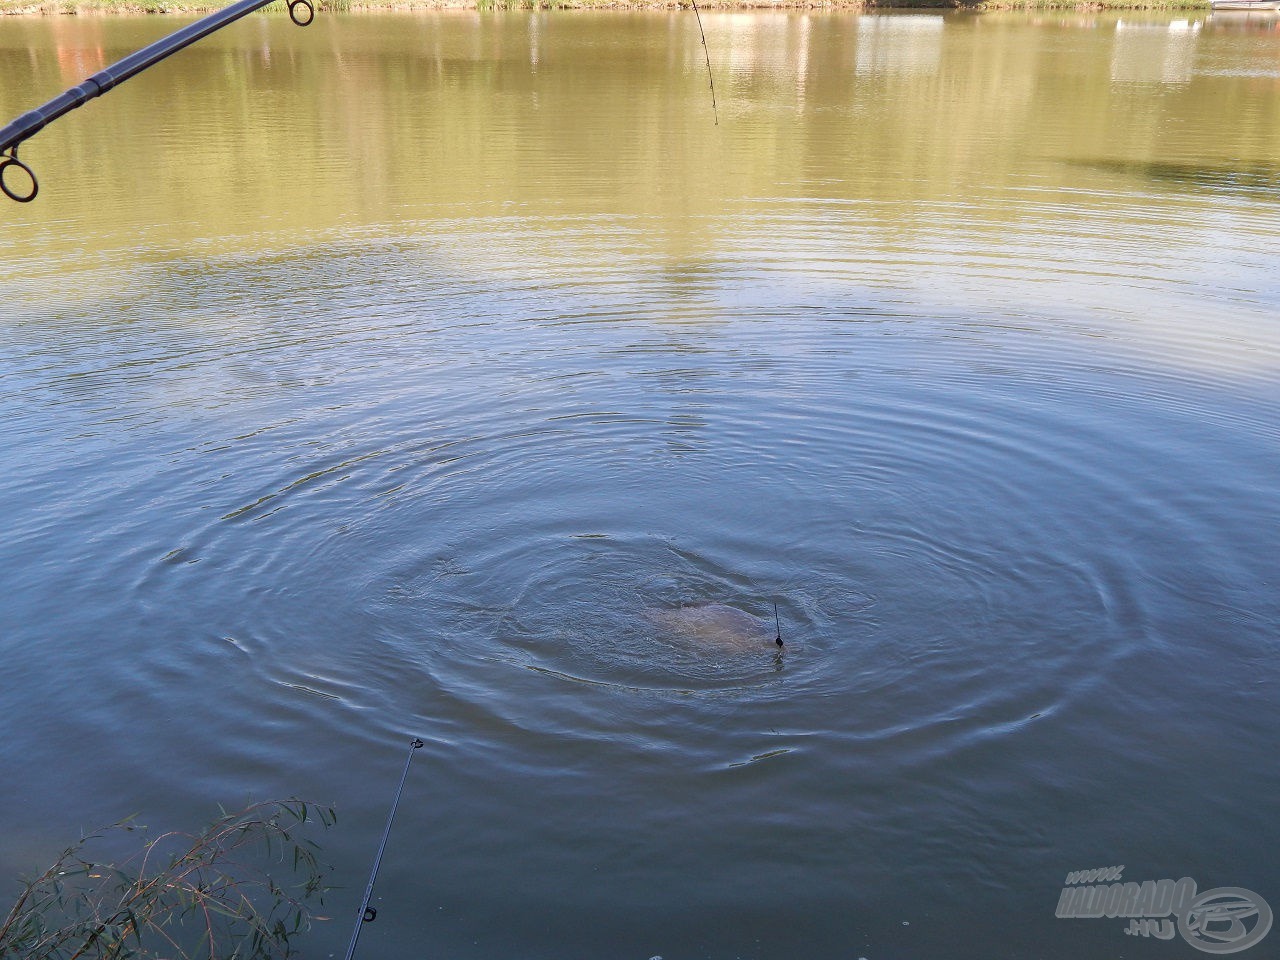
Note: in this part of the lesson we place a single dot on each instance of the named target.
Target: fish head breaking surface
(715, 627)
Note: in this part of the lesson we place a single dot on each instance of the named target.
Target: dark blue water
(983, 396)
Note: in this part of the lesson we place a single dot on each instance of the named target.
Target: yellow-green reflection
(964, 159)
(362, 120)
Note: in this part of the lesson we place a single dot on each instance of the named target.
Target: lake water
(402, 375)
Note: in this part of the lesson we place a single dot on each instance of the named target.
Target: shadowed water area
(456, 375)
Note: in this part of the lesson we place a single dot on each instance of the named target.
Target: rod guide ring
(301, 12)
(11, 160)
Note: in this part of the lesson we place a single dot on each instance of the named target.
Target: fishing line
(368, 914)
(707, 54)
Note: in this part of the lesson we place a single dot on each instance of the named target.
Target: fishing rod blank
(302, 12)
(368, 914)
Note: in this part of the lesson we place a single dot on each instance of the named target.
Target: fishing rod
(368, 914)
(301, 12)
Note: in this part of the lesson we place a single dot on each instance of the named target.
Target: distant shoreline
(44, 8)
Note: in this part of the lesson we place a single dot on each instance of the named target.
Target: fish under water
(716, 627)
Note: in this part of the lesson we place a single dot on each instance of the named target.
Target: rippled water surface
(444, 375)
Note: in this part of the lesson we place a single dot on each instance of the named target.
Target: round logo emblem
(1225, 920)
